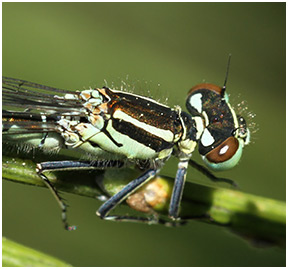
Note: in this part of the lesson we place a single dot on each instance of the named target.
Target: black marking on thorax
(104, 130)
(146, 111)
(140, 135)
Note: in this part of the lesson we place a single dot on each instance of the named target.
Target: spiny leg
(70, 165)
(207, 173)
(76, 165)
(151, 216)
(154, 219)
(104, 210)
(177, 197)
(62, 205)
(178, 189)
(180, 182)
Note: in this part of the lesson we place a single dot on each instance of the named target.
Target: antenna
(226, 76)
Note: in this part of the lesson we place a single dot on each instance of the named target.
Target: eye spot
(223, 150)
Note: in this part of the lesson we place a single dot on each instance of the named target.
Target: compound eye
(224, 151)
(224, 156)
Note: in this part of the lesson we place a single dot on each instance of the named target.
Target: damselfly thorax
(115, 128)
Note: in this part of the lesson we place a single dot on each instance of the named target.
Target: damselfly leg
(70, 166)
(104, 210)
(202, 169)
(178, 189)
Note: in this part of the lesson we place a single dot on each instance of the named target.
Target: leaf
(14, 254)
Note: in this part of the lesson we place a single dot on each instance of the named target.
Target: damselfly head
(224, 134)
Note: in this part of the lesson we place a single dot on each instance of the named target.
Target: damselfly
(114, 129)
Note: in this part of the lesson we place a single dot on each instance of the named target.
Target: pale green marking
(196, 102)
(130, 148)
(199, 126)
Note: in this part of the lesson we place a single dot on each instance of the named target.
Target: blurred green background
(163, 49)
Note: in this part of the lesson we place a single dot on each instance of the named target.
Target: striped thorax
(130, 125)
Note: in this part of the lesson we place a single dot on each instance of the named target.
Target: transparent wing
(33, 108)
(21, 95)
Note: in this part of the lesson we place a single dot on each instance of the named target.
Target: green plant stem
(14, 254)
(260, 220)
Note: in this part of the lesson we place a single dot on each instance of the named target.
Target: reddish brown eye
(208, 86)
(224, 151)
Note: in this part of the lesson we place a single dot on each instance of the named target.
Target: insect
(114, 129)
